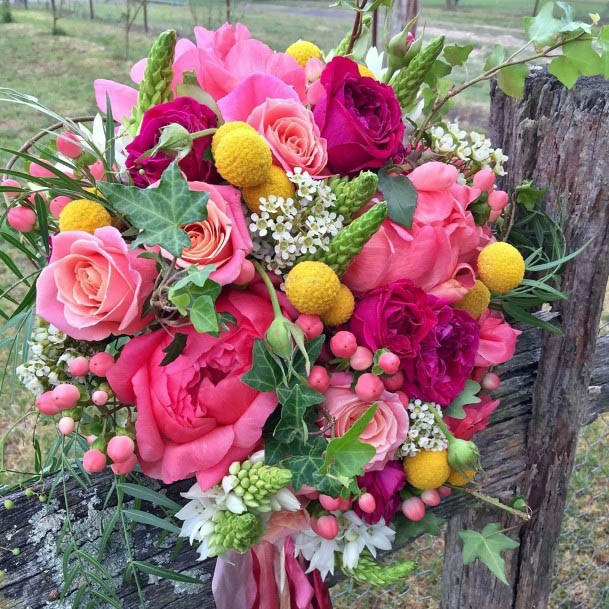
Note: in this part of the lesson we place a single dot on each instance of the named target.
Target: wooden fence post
(557, 138)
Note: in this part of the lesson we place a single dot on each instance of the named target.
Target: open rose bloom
(261, 279)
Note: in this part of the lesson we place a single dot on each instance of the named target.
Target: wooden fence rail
(553, 384)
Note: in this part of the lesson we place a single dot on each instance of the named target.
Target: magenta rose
(385, 486)
(184, 111)
(396, 317)
(94, 285)
(360, 117)
(194, 415)
(386, 431)
(446, 356)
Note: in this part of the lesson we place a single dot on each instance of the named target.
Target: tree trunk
(91, 10)
(555, 138)
(228, 7)
(145, 12)
(7, 16)
(55, 13)
(449, 5)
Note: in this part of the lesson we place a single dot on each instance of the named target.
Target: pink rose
(222, 238)
(195, 416)
(476, 418)
(386, 431)
(94, 285)
(292, 134)
(497, 340)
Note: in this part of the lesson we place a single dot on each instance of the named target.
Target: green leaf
(265, 374)
(467, 396)
(544, 27)
(174, 348)
(495, 58)
(195, 275)
(568, 21)
(151, 520)
(147, 494)
(295, 401)
(203, 315)
(409, 529)
(159, 212)
(528, 196)
(519, 314)
(487, 546)
(511, 80)
(603, 43)
(401, 197)
(456, 54)
(437, 72)
(346, 455)
(150, 569)
(313, 349)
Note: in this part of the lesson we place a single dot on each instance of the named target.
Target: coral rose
(222, 239)
(94, 285)
(386, 431)
(497, 340)
(360, 117)
(291, 132)
(194, 415)
(476, 418)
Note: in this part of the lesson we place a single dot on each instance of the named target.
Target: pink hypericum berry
(344, 504)
(66, 425)
(90, 439)
(319, 379)
(490, 382)
(393, 383)
(68, 144)
(99, 397)
(311, 325)
(367, 503)
(369, 387)
(325, 526)
(361, 359)
(21, 218)
(329, 503)
(57, 204)
(46, 404)
(413, 508)
(343, 344)
(389, 363)
(79, 366)
(445, 491)
(11, 182)
(246, 274)
(66, 395)
(120, 448)
(126, 467)
(431, 497)
(100, 363)
(38, 171)
(93, 461)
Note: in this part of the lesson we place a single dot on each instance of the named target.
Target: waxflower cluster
(423, 433)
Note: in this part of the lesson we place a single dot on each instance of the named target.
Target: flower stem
(441, 424)
(204, 133)
(494, 502)
(270, 287)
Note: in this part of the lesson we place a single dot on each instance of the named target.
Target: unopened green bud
(463, 455)
(279, 338)
(42, 498)
(16, 551)
(29, 492)
(8, 504)
(175, 140)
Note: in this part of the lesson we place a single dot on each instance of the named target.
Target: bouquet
(284, 277)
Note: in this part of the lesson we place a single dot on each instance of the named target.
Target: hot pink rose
(476, 418)
(438, 253)
(195, 416)
(388, 428)
(292, 134)
(497, 339)
(94, 285)
(222, 238)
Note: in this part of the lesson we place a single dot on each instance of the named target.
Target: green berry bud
(29, 492)
(42, 498)
(8, 504)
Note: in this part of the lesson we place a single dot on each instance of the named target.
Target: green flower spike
(238, 532)
(352, 195)
(368, 571)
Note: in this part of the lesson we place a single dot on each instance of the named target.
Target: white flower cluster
(472, 148)
(285, 229)
(354, 535)
(423, 433)
(49, 359)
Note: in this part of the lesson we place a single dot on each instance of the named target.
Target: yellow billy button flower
(84, 215)
(501, 267)
(303, 50)
(427, 469)
(278, 184)
(365, 71)
(341, 309)
(476, 301)
(243, 158)
(226, 129)
(311, 287)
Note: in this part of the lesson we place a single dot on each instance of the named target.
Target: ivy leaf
(295, 401)
(401, 197)
(159, 213)
(265, 374)
(511, 80)
(495, 57)
(487, 546)
(346, 455)
(544, 27)
(409, 529)
(439, 69)
(457, 55)
(195, 275)
(203, 315)
(313, 349)
(568, 21)
(467, 396)
(174, 348)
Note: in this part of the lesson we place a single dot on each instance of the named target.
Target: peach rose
(94, 285)
(386, 431)
(292, 134)
(222, 238)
